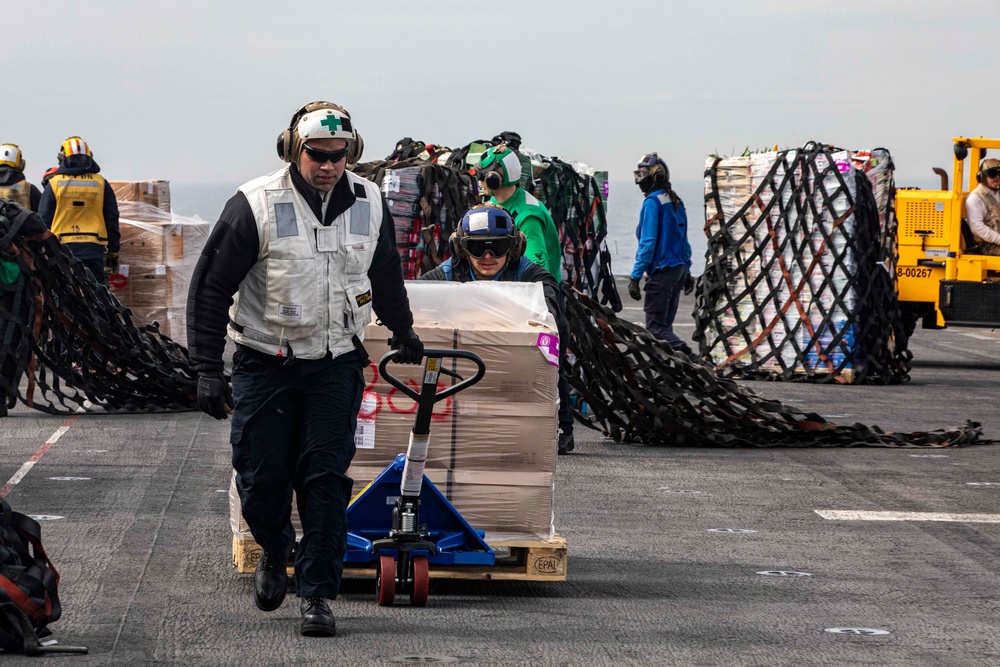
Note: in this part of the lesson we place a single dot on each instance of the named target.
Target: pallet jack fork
(401, 521)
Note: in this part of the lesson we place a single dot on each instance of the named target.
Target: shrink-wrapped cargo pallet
(158, 252)
(492, 446)
(799, 280)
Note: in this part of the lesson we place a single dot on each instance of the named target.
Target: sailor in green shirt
(499, 173)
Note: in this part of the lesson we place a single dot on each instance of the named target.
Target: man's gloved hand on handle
(409, 348)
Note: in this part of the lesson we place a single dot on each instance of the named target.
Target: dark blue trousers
(663, 294)
(293, 429)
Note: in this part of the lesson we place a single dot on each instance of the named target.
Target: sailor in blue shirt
(664, 253)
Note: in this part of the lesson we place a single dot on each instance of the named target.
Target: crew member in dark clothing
(13, 185)
(488, 246)
(13, 306)
(664, 254)
(15, 295)
(79, 206)
(294, 267)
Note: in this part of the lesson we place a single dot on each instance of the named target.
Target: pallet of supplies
(799, 280)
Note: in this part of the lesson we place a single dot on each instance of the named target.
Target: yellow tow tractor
(941, 279)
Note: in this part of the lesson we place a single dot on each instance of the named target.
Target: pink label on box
(549, 345)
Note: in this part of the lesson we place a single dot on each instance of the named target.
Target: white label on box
(123, 269)
(170, 313)
(364, 435)
(390, 183)
(161, 269)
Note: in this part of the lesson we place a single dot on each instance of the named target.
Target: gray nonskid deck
(144, 545)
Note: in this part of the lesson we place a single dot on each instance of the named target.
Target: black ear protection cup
(660, 176)
(456, 246)
(356, 149)
(520, 243)
(285, 139)
(493, 180)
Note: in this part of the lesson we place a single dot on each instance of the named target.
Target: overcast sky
(198, 91)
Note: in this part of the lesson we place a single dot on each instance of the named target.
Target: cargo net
(428, 189)
(638, 390)
(81, 349)
(799, 282)
(427, 201)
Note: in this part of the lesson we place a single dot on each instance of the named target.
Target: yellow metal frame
(930, 233)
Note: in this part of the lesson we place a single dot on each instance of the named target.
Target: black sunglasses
(992, 172)
(320, 157)
(477, 248)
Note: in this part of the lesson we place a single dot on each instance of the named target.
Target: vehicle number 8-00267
(913, 272)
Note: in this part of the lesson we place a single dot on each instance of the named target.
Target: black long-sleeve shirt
(232, 249)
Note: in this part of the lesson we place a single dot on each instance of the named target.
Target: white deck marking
(36, 457)
(861, 515)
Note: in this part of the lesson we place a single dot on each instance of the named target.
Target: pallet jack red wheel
(421, 582)
(385, 580)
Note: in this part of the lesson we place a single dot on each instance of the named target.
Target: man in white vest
(294, 267)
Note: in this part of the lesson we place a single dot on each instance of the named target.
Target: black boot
(270, 582)
(317, 619)
(566, 443)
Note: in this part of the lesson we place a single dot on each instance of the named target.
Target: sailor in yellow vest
(79, 207)
(982, 208)
(13, 187)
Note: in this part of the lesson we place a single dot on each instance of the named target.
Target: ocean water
(206, 201)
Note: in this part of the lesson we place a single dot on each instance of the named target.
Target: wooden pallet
(521, 560)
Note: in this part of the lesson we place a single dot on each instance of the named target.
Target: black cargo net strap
(445, 194)
(87, 352)
(638, 390)
(578, 209)
(799, 281)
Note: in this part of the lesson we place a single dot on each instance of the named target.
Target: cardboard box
(144, 207)
(502, 504)
(152, 193)
(146, 287)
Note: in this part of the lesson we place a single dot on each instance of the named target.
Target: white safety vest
(309, 291)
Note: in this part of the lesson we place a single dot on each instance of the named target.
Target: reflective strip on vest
(79, 210)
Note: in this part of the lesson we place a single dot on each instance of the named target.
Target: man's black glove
(689, 284)
(633, 289)
(215, 398)
(409, 348)
(111, 262)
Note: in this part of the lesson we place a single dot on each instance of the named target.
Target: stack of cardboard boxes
(152, 248)
(492, 446)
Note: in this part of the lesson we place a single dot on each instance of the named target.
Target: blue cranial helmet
(487, 227)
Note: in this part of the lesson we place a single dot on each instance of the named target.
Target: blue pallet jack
(401, 521)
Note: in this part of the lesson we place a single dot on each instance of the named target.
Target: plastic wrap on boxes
(492, 446)
(158, 252)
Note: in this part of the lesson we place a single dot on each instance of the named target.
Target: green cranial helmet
(503, 162)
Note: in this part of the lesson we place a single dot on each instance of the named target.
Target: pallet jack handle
(431, 353)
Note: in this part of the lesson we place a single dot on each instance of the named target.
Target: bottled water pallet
(520, 560)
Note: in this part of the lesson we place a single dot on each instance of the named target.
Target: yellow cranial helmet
(73, 146)
(11, 156)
